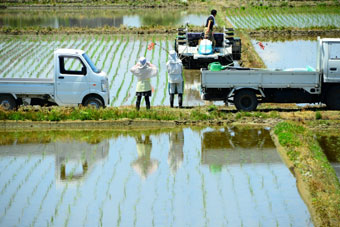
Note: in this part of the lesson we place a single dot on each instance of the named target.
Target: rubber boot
(147, 102)
(138, 102)
(180, 100)
(172, 100)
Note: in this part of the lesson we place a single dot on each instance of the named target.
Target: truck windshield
(93, 67)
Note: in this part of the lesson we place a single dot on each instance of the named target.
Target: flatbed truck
(76, 81)
(246, 87)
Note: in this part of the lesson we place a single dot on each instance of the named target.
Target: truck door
(334, 62)
(72, 80)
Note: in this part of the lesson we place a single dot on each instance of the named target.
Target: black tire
(7, 102)
(245, 100)
(94, 102)
(333, 98)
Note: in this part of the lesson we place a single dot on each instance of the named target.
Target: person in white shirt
(144, 70)
(175, 78)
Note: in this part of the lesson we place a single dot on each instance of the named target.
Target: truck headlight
(105, 85)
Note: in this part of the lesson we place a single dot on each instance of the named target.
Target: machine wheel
(333, 98)
(7, 102)
(93, 102)
(245, 100)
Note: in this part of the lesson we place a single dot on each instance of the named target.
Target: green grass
(313, 170)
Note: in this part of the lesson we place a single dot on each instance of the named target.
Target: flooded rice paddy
(99, 17)
(114, 54)
(297, 17)
(287, 54)
(179, 177)
(331, 147)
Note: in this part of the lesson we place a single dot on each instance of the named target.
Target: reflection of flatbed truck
(245, 87)
(76, 81)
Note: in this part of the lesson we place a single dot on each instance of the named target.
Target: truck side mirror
(83, 70)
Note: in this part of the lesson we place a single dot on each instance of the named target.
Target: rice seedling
(125, 74)
(31, 195)
(108, 71)
(14, 176)
(16, 191)
(159, 66)
(119, 61)
(128, 90)
(41, 204)
(109, 51)
(166, 73)
(8, 64)
(100, 54)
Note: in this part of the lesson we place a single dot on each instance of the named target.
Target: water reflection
(238, 145)
(144, 165)
(287, 54)
(331, 147)
(175, 157)
(98, 17)
(161, 177)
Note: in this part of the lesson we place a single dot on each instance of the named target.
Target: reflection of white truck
(76, 81)
(245, 87)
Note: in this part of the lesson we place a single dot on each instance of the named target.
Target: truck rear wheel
(333, 98)
(245, 100)
(93, 102)
(7, 102)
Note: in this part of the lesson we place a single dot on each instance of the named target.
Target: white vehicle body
(76, 81)
(246, 86)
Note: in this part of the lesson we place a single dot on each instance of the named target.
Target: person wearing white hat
(175, 78)
(144, 70)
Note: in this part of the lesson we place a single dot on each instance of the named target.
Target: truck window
(71, 65)
(334, 51)
(93, 67)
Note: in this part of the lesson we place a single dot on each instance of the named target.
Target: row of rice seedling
(15, 192)
(128, 89)
(30, 195)
(299, 17)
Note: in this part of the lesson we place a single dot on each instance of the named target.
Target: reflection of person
(175, 78)
(143, 70)
(144, 165)
(209, 26)
(175, 157)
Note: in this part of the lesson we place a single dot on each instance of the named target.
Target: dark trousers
(180, 97)
(147, 101)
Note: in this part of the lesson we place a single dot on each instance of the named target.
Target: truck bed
(27, 86)
(259, 78)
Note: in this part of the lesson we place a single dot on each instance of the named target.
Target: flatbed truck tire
(245, 100)
(7, 102)
(94, 102)
(333, 98)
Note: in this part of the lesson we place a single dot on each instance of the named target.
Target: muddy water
(99, 17)
(331, 147)
(287, 54)
(179, 177)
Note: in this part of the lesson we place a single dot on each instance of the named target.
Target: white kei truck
(76, 81)
(246, 87)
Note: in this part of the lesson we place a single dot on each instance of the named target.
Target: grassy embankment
(316, 179)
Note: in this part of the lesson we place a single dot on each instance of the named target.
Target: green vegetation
(115, 113)
(316, 177)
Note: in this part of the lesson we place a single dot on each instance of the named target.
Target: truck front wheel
(245, 100)
(7, 102)
(93, 102)
(333, 98)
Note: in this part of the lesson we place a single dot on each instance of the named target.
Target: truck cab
(78, 80)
